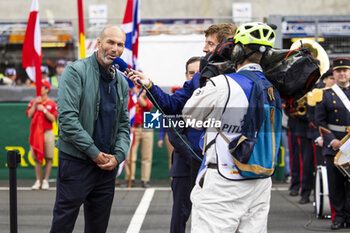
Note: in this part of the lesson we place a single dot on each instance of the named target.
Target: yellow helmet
(255, 33)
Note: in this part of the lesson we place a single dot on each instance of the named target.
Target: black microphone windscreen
(121, 64)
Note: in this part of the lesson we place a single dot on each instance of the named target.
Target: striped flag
(132, 107)
(131, 24)
(31, 51)
(81, 29)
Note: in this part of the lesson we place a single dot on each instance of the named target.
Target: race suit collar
(251, 67)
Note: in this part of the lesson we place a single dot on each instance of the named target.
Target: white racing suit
(224, 201)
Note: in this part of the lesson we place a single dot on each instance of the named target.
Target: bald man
(93, 135)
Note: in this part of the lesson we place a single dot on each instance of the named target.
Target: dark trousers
(82, 182)
(308, 163)
(181, 187)
(295, 161)
(339, 192)
(319, 156)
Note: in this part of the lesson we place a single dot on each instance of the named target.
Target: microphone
(122, 66)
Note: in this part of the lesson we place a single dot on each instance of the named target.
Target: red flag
(31, 61)
(36, 136)
(31, 52)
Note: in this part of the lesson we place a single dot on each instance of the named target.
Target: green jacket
(78, 106)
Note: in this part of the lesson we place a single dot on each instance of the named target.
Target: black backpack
(292, 72)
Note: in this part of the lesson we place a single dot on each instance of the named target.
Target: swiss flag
(31, 52)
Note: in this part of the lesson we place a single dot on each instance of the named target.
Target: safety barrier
(14, 134)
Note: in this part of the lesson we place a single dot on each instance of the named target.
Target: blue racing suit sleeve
(173, 104)
(162, 132)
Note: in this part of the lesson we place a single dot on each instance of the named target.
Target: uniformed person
(326, 81)
(294, 153)
(305, 153)
(333, 117)
(302, 152)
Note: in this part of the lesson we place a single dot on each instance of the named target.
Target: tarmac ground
(148, 210)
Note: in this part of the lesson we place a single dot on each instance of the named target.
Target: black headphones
(239, 55)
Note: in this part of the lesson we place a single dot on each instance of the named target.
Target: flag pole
(130, 168)
(81, 29)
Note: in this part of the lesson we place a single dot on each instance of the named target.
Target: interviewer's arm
(170, 104)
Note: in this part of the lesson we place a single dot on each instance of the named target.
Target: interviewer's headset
(258, 37)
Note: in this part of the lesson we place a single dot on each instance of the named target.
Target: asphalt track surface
(148, 210)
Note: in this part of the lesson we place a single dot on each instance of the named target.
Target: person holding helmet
(223, 200)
